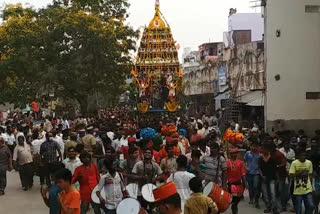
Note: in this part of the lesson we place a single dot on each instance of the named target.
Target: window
(210, 51)
(312, 9)
(313, 95)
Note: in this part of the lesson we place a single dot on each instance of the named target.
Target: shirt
(127, 166)
(302, 183)
(281, 163)
(268, 168)
(314, 157)
(60, 143)
(36, 144)
(48, 151)
(88, 178)
(251, 161)
(5, 137)
(113, 188)
(11, 139)
(198, 203)
(169, 164)
(22, 154)
(53, 199)
(5, 155)
(116, 144)
(211, 168)
(194, 171)
(289, 155)
(72, 165)
(125, 151)
(71, 200)
(151, 170)
(235, 172)
(181, 181)
(205, 153)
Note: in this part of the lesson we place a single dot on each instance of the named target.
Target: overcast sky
(192, 22)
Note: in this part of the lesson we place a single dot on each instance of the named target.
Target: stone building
(292, 65)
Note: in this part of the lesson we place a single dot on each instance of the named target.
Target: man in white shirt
(288, 153)
(113, 186)
(36, 143)
(71, 163)
(22, 155)
(181, 179)
(59, 140)
(4, 135)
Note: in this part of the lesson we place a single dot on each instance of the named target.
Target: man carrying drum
(236, 178)
(146, 172)
(215, 166)
(113, 186)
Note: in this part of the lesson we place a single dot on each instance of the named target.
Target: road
(17, 201)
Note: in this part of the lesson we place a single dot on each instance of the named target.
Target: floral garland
(168, 130)
(232, 136)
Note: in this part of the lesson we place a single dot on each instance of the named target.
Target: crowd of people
(108, 157)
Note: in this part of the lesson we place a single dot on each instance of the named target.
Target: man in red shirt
(125, 149)
(172, 142)
(236, 178)
(35, 109)
(88, 177)
(282, 175)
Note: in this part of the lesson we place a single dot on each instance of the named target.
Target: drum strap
(216, 179)
(122, 181)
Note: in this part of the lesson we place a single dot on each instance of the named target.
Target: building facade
(292, 65)
(243, 28)
(200, 75)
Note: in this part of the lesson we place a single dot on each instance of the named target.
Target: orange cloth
(163, 153)
(71, 200)
(34, 106)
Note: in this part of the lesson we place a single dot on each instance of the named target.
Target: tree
(77, 50)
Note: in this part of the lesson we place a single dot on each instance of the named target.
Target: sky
(193, 22)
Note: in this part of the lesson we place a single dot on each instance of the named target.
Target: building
(210, 51)
(243, 28)
(200, 75)
(292, 48)
(246, 84)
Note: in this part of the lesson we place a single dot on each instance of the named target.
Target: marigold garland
(232, 136)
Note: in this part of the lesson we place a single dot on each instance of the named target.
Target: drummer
(127, 165)
(146, 171)
(113, 186)
(168, 199)
(236, 178)
(169, 164)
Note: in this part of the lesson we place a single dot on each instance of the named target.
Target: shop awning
(223, 96)
(253, 98)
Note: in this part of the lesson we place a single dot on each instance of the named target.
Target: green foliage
(75, 48)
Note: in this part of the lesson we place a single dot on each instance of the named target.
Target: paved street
(17, 201)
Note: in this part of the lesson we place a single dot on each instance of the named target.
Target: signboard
(222, 76)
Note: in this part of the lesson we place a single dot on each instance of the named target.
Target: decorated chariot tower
(157, 70)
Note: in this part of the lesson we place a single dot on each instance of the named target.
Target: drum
(221, 197)
(94, 196)
(147, 192)
(133, 190)
(128, 206)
